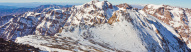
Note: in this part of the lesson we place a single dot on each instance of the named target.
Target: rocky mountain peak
(100, 4)
(95, 0)
(125, 6)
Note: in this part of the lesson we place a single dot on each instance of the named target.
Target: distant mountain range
(35, 4)
(11, 10)
(7, 7)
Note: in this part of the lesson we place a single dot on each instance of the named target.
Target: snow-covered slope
(94, 26)
(178, 18)
(139, 6)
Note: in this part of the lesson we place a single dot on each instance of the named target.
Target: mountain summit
(95, 0)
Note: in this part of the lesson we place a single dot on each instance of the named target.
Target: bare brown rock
(165, 11)
(112, 19)
(86, 5)
(110, 6)
(95, 7)
(125, 6)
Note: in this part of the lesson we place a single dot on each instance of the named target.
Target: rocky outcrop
(91, 13)
(10, 46)
(125, 6)
(5, 19)
(176, 17)
(112, 19)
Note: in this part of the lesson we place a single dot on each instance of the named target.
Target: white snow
(119, 37)
(48, 24)
(143, 13)
(58, 10)
(189, 45)
(100, 4)
(154, 6)
(35, 41)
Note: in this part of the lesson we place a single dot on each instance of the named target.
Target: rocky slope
(10, 46)
(178, 18)
(93, 26)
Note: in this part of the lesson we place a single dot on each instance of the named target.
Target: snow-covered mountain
(139, 6)
(178, 18)
(95, 26)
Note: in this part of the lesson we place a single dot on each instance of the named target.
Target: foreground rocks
(10, 46)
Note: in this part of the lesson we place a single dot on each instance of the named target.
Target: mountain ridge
(178, 18)
(17, 11)
(97, 24)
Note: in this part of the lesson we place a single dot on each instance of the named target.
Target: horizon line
(74, 3)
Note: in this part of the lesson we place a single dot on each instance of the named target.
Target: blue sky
(181, 3)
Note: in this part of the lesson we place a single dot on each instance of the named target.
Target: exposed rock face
(33, 23)
(91, 13)
(5, 19)
(112, 19)
(178, 18)
(9, 46)
(50, 25)
(125, 6)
